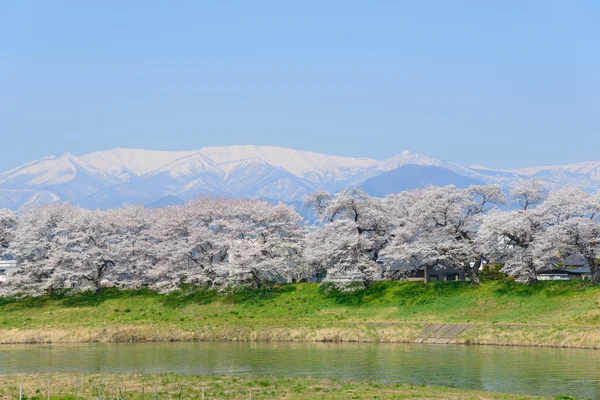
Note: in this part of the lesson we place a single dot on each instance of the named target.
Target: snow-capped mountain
(585, 175)
(110, 178)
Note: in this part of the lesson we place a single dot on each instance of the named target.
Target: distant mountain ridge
(110, 178)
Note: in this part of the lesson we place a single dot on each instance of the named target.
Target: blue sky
(499, 83)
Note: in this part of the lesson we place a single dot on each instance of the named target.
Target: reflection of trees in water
(543, 371)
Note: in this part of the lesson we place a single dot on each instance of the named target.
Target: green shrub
(492, 273)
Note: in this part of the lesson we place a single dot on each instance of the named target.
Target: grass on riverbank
(298, 312)
(169, 386)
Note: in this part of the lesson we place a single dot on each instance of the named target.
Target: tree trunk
(475, 273)
(594, 273)
(532, 277)
(426, 274)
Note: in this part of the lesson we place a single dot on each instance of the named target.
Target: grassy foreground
(172, 386)
(506, 313)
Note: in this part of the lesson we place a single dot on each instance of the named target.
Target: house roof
(568, 271)
(575, 260)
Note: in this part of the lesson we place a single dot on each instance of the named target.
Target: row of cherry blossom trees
(209, 241)
(437, 227)
(357, 238)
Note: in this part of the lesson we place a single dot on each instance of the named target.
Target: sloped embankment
(565, 314)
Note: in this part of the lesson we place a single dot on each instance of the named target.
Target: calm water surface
(536, 371)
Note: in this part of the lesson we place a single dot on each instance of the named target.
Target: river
(518, 370)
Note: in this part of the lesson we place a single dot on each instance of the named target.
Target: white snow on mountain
(126, 164)
(591, 169)
(408, 158)
(297, 162)
(585, 174)
(19, 198)
(111, 178)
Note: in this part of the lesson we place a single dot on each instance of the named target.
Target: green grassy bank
(172, 386)
(505, 313)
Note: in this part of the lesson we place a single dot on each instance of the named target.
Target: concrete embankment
(441, 333)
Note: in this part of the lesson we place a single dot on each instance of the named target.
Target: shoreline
(65, 386)
(577, 337)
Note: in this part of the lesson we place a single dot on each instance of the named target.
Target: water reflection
(537, 371)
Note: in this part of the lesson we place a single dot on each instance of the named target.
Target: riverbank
(499, 335)
(560, 314)
(174, 386)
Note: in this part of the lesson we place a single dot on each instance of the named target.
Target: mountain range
(111, 178)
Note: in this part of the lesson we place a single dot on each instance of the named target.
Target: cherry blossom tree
(424, 238)
(439, 226)
(482, 199)
(356, 228)
(528, 193)
(227, 242)
(338, 252)
(267, 242)
(135, 246)
(88, 244)
(8, 225)
(516, 237)
(582, 236)
(572, 217)
(36, 244)
(512, 237)
(191, 240)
